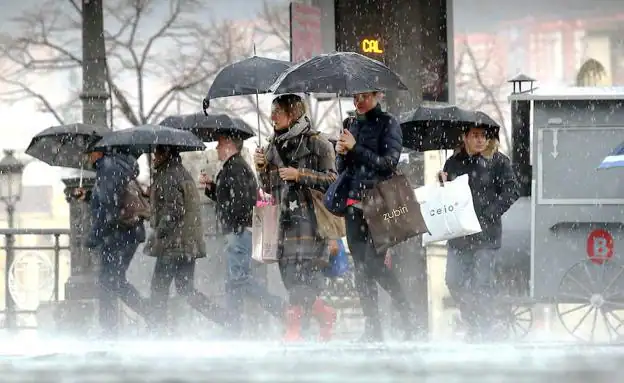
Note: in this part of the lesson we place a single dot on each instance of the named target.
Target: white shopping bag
(265, 233)
(448, 210)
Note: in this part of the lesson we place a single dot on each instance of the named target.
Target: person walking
(115, 241)
(368, 150)
(235, 192)
(470, 265)
(297, 160)
(177, 239)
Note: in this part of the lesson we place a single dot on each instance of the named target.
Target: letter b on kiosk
(371, 46)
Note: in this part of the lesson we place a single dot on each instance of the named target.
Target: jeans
(180, 269)
(113, 284)
(370, 269)
(240, 282)
(470, 277)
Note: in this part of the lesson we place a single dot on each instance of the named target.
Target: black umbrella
(343, 73)
(65, 145)
(209, 127)
(145, 137)
(435, 128)
(254, 75)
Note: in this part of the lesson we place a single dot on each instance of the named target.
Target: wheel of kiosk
(518, 321)
(590, 300)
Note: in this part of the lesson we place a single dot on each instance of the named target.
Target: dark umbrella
(250, 76)
(342, 73)
(254, 75)
(145, 137)
(435, 128)
(65, 145)
(209, 127)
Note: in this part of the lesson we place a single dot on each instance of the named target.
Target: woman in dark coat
(296, 160)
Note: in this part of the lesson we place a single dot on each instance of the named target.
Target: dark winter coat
(176, 218)
(235, 192)
(494, 190)
(375, 156)
(313, 155)
(112, 174)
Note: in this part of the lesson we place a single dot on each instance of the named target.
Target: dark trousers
(180, 269)
(113, 284)
(470, 277)
(369, 269)
(304, 282)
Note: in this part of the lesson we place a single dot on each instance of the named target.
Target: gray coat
(176, 218)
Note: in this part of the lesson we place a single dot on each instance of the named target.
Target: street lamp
(11, 170)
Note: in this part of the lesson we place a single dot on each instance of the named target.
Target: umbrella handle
(205, 106)
(81, 176)
(258, 114)
(339, 114)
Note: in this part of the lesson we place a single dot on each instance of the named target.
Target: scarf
(301, 126)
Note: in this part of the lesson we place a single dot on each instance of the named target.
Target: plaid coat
(313, 155)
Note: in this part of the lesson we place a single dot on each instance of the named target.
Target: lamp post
(11, 170)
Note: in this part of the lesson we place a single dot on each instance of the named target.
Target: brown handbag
(392, 213)
(328, 225)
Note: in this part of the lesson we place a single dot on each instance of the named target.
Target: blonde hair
(491, 148)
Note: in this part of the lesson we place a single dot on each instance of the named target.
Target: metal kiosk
(573, 220)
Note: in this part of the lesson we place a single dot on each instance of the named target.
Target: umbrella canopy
(615, 159)
(344, 73)
(209, 127)
(65, 145)
(145, 137)
(254, 75)
(435, 128)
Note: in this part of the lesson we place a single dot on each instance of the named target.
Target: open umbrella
(342, 73)
(209, 127)
(145, 137)
(251, 76)
(436, 128)
(615, 159)
(65, 145)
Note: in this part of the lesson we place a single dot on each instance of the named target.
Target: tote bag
(265, 233)
(448, 210)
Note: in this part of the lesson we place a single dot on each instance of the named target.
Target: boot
(372, 331)
(293, 324)
(326, 315)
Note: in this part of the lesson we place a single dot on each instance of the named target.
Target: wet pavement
(38, 361)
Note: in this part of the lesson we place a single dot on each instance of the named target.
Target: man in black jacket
(368, 150)
(470, 262)
(235, 192)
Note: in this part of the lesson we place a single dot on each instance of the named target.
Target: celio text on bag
(441, 210)
(395, 213)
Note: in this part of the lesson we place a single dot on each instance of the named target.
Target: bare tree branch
(274, 20)
(479, 85)
(166, 53)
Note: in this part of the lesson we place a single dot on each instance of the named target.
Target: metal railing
(10, 311)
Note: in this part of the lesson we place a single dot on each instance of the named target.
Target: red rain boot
(326, 315)
(293, 324)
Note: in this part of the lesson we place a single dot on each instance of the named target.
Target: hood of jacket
(120, 164)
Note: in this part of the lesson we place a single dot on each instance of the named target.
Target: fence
(31, 274)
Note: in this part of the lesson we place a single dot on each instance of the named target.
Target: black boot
(372, 332)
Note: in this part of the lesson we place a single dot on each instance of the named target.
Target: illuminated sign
(371, 46)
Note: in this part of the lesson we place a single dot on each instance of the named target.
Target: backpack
(135, 207)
